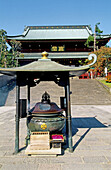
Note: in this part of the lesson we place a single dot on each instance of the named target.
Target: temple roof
(54, 32)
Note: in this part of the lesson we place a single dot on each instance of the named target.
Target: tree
(9, 58)
(89, 40)
(96, 32)
(103, 58)
(92, 38)
(16, 46)
(3, 48)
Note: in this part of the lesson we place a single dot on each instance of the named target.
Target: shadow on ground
(80, 123)
(84, 122)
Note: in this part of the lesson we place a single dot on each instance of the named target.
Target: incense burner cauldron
(46, 116)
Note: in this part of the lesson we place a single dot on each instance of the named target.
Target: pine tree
(92, 38)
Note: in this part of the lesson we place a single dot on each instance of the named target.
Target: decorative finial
(45, 98)
(44, 55)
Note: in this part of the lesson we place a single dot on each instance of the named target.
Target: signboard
(58, 48)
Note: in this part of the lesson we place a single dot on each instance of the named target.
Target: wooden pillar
(28, 96)
(28, 108)
(17, 117)
(68, 115)
(66, 111)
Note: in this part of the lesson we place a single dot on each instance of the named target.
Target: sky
(16, 14)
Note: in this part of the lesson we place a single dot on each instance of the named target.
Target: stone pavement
(91, 142)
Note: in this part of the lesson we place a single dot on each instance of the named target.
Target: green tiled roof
(54, 32)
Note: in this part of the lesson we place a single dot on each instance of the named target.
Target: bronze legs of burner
(17, 119)
(68, 115)
(28, 131)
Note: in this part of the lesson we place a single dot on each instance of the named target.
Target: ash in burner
(44, 107)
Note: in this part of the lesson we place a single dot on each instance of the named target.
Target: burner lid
(46, 106)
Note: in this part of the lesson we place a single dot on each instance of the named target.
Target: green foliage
(109, 64)
(8, 58)
(16, 45)
(3, 48)
(83, 62)
(90, 39)
(97, 30)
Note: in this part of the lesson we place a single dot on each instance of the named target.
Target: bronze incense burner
(46, 116)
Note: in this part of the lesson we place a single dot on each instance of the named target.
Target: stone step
(84, 92)
(87, 91)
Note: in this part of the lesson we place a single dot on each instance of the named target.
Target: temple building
(65, 44)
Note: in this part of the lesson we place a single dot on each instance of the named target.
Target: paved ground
(91, 142)
(91, 127)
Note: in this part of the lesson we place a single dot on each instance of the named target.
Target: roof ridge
(57, 27)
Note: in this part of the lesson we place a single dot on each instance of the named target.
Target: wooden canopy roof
(47, 66)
